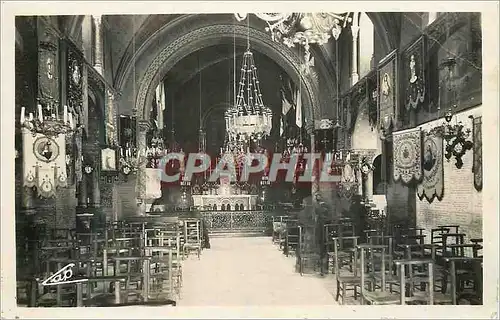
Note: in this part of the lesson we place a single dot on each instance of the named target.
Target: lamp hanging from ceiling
(248, 119)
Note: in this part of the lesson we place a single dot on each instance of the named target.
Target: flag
(285, 105)
(298, 110)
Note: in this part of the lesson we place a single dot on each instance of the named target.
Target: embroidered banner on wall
(477, 167)
(432, 164)
(407, 153)
(44, 164)
(48, 68)
(387, 84)
(413, 60)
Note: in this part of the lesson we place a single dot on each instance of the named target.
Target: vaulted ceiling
(135, 40)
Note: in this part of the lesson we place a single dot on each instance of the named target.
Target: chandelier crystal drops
(248, 120)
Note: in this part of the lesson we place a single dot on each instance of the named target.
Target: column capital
(143, 125)
(110, 94)
(97, 18)
(355, 32)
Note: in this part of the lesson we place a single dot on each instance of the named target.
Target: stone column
(354, 70)
(110, 118)
(368, 186)
(28, 201)
(359, 178)
(143, 127)
(96, 191)
(315, 182)
(82, 193)
(98, 43)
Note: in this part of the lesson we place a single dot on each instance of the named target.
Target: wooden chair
(192, 238)
(427, 294)
(161, 277)
(370, 273)
(278, 228)
(306, 253)
(291, 237)
(345, 279)
(473, 294)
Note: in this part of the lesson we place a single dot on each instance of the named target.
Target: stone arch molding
(193, 40)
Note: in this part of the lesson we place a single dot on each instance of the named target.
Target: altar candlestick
(65, 114)
(22, 114)
(40, 113)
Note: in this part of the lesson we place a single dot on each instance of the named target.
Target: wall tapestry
(432, 164)
(477, 167)
(407, 153)
(44, 164)
(48, 68)
(414, 78)
(387, 84)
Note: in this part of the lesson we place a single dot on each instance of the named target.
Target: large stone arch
(193, 40)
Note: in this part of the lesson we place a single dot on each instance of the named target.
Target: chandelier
(248, 120)
(131, 159)
(48, 123)
(155, 151)
(303, 28)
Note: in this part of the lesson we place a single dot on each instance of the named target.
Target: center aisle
(249, 272)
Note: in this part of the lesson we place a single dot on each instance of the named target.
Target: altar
(234, 202)
(226, 197)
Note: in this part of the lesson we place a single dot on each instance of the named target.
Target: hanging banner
(413, 61)
(407, 153)
(477, 167)
(48, 68)
(433, 172)
(387, 84)
(298, 109)
(153, 183)
(44, 164)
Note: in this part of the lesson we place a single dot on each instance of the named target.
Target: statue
(386, 85)
(413, 75)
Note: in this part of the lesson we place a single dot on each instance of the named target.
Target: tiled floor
(250, 272)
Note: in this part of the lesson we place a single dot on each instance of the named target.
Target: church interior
(391, 102)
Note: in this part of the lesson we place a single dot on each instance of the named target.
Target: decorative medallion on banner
(477, 167)
(153, 183)
(407, 153)
(387, 83)
(44, 165)
(413, 60)
(432, 163)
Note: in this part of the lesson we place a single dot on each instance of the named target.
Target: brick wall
(461, 203)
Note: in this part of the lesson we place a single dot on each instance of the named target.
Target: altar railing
(238, 222)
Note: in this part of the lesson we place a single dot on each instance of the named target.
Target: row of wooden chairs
(124, 263)
(402, 268)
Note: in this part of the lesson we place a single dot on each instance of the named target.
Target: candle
(31, 116)
(22, 114)
(65, 114)
(53, 116)
(121, 152)
(70, 116)
(40, 113)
